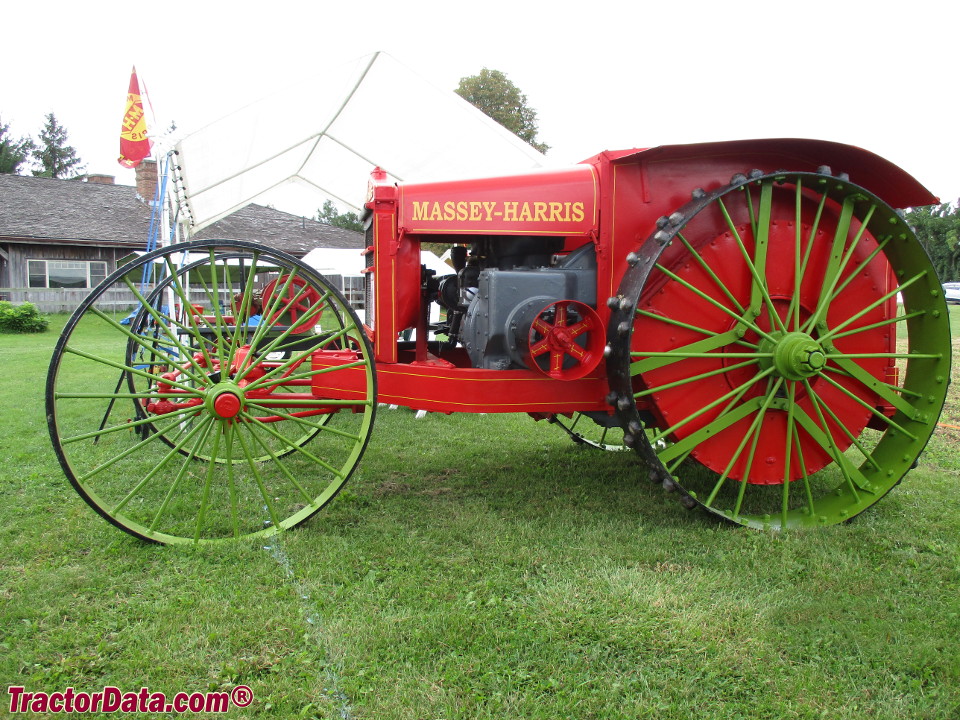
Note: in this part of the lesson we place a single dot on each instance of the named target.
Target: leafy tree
(329, 215)
(13, 152)
(938, 229)
(55, 158)
(496, 96)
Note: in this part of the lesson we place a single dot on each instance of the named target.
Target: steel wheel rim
(584, 430)
(164, 487)
(798, 359)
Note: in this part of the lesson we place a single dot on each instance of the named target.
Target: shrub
(23, 318)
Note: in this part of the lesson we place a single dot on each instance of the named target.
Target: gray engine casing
(497, 323)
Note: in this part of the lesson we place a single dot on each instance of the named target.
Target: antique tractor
(763, 330)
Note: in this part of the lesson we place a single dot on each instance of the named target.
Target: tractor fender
(709, 165)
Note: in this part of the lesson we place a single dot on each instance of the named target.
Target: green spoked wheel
(596, 430)
(204, 418)
(779, 350)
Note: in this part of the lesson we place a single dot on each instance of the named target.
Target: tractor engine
(513, 296)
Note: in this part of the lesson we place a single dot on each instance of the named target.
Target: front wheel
(192, 425)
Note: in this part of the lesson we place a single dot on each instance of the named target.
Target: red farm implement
(765, 332)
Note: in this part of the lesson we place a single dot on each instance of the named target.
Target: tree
(55, 158)
(497, 97)
(938, 229)
(329, 215)
(13, 152)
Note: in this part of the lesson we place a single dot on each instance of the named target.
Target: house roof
(45, 210)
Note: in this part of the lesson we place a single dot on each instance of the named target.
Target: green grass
(486, 567)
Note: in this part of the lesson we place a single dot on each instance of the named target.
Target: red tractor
(753, 318)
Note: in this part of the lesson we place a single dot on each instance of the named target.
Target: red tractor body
(754, 319)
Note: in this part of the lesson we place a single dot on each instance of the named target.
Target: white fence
(116, 299)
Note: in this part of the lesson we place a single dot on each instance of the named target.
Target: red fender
(678, 168)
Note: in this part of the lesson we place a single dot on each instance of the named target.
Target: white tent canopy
(320, 139)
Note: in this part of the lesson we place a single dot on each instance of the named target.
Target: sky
(601, 75)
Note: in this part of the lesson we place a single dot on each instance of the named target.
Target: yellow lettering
(577, 211)
(525, 212)
(419, 210)
(555, 209)
(449, 211)
(475, 211)
(435, 213)
(509, 211)
(539, 212)
(489, 206)
(566, 211)
(462, 210)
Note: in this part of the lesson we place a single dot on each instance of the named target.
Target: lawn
(486, 567)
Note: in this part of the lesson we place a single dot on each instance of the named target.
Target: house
(59, 238)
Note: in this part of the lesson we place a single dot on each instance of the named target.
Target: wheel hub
(796, 355)
(224, 400)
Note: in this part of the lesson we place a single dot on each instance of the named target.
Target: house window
(353, 290)
(65, 273)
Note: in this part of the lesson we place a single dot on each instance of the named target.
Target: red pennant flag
(134, 142)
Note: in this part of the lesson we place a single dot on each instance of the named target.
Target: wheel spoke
(834, 335)
(290, 444)
(839, 258)
(711, 274)
(208, 481)
(156, 468)
(687, 326)
(282, 468)
(699, 349)
(822, 434)
(872, 306)
(208, 425)
(753, 433)
(693, 378)
(318, 426)
(694, 415)
(741, 320)
(801, 271)
(261, 486)
(759, 296)
(880, 388)
(163, 323)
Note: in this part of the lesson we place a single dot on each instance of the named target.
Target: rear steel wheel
(759, 327)
(216, 428)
